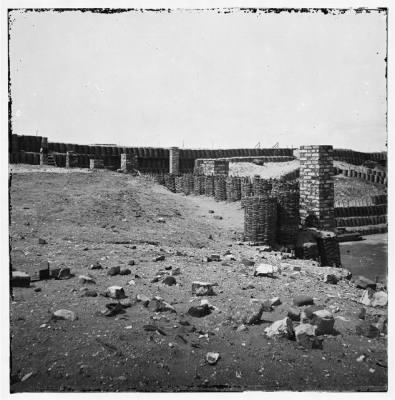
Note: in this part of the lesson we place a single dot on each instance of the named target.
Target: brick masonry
(317, 186)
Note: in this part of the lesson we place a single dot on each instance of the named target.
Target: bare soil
(113, 218)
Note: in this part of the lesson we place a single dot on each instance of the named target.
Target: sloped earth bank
(112, 219)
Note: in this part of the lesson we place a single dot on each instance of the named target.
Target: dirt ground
(113, 219)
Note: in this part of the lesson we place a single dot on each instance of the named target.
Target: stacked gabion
(198, 185)
(280, 186)
(261, 187)
(209, 186)
(288, 219)
(233, 188)
(187, 184)
(159, 178)
(170, 182)
(220, 188)
(178, 183)
(246, 187)
(329, 251)
(260, 220)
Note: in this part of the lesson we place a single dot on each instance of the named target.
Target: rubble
(157, 304)
(324, 321)
(86, 279)
(199, 311)
(114, 271)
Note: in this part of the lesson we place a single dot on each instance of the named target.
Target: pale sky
(201, 79)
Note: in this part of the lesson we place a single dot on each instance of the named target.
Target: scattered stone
(364, 283)
(42, 241)
(90, 293)
(282, 328)
(114, 271)
(331, 278)
(242, 328)
(309, 311)
(26, 377)
(346, 274)
(294, 314)
(362, 313)
(365, 328)
(64, 314)
(161, 220)
(211, 211)
(266, 270)
(247, 262)
(203, 288)
(157, 304)
(305, 335)
(265, 249)
(143, 299)
(296, 268)
(115, 292)
(176, 271)
(215, 257)
(382, 324)
(131, 282)
(125, 271)
(324, 321)
(212, 358)
(361, 358)
(168, 268)
(86, 279)
(169, 281)
(131, 262)
(96, 265)
(303, 300)
(218, 217)
(113, 309)
(20, 279)
(275, 301)
(374, 299)
(126, 303)
(254, 315)
(230, 257)
(159, 258)
(37, 289)
(199, 311)
(295, 275)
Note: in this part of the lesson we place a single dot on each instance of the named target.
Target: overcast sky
(200, 78)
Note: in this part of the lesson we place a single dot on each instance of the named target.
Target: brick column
(44, 151)
(129, 162)
(174, 160)
(317, 186)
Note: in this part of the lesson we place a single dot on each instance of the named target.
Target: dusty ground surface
(112, 219)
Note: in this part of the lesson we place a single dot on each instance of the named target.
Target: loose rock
(90, 293)
(97, 265)
(364, 283)
(331, 278)
(143, 299)
(266, 270)
(42, 241)
(115, 292)
(20, 279)
(157, 304)
(282, 328)
(159, 258)
(199, 311)
(86, 279)
(114, 271)
(305, 335)
(203, 288)
(64, 314)
(169, 281)
(303, 300)
(212, 358)
(131, 262)
(365, 328)
(125, 271)
(247, 262)
(324, 321)
(294, 314)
